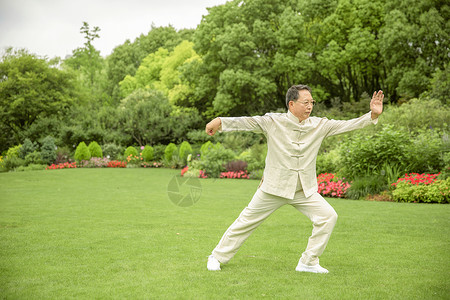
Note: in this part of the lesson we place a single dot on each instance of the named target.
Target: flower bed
(65, 165)
(193, 172)
(94, 162)
(331, 186)
(117, 164)
(238, 174)
(151, 165)
(416, 178)
(426, 188)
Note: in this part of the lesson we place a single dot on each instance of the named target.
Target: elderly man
(293, 141)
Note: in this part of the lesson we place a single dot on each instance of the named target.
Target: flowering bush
(94, 162)
(415, 178)
(117, 164)
(133, 160)
(235, 174)
(421, 188)
(193, 172)
(151, 165)
(65, 165)
(331, 186)
(184, 170)
(202, 174)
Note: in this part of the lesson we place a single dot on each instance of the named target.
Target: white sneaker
(301, 267)
(213, 263)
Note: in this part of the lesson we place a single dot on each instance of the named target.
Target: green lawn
(114, 233)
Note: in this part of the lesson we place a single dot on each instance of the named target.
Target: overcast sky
(52, 27)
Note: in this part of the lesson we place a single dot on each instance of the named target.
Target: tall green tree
(31, 89)
(125, 59)
(89, 67)
(162, 70)
(146, 117)
(347, 57)
(238, 43)
(414, 43)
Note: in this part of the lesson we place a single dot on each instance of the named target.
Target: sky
(52, 27)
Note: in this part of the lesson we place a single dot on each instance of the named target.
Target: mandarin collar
(294, 119)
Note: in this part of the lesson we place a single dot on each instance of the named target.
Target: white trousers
(315, 207)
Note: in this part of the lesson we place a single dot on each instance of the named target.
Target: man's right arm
(258, 124)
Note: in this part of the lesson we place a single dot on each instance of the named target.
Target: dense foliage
(161, 89)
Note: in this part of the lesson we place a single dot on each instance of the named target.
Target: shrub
(159, 152)
(256, 174)
(131, 151)
(239, 140)
(416, 179)
(48, 150)
(193, 169)
(331, 186)
(363, 153)
(185, 150)
(437, 192)
(365, 185)
(62, 155)
(204, 149)
(147, 153)
(30, 167)
(34, 158)
(257, 160)
(95, 149)
(13, 162)
(27, 148)
(14, 151)
(236, 166)
(215, 159)
(111, 150)
(426, 152)
(170, 151)
(82, 152)
(328, 162)
(198, 136)
(417, 115)
(134, 161)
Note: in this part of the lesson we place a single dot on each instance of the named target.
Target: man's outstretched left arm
(340, 126)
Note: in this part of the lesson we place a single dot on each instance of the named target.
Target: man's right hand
(213, 126)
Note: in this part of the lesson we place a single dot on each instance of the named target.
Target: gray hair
(292, 93)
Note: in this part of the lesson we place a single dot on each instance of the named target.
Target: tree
(146, 117)
(162, 70)
(238, 45)
(414, 43)
(31, 89)
(89, 67)
(125, 59)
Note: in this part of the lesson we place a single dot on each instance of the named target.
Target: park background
(123, 126)
(162, 88)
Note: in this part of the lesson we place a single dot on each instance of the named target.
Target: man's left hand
(376, 104)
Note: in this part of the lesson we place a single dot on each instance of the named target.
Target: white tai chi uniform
(289, 177)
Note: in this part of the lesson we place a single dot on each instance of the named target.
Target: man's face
(302, 108)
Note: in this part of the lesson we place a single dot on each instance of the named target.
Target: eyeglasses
(306, 103)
